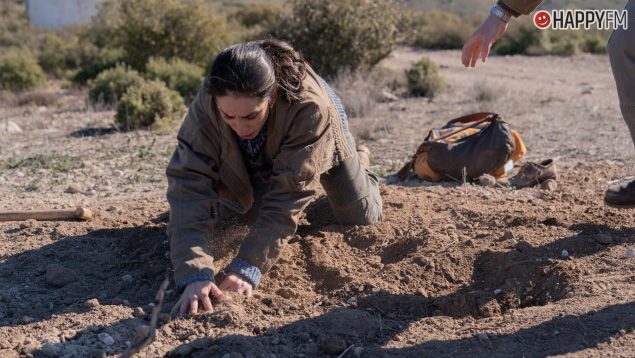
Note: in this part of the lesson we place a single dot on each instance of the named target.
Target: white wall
(58, 13)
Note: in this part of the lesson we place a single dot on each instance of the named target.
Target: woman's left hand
(234, 283)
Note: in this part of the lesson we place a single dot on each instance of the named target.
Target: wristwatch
(500, 13)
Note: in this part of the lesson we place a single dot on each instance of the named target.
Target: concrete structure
(54, 14)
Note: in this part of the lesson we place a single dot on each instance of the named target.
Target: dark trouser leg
(621, 49)
(353, 191)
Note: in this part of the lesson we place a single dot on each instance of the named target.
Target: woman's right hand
(196, 293)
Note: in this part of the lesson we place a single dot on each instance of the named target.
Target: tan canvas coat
(304, 139)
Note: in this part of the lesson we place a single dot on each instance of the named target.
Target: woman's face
(245, 115)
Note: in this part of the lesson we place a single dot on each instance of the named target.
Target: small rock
(549, 185)
(182, 351)
(117, 173)
(497, 291)
(106, 339)
(508, 235)
(90, 192)
(142, 332)
(73, 189)
(126, 278)
(202, 343)
(10, 127)
(112, 208)
(92, 303)
(28, 319)
(332, 345)
(164, 317)
(138, 312)
(387, 97)
(564, 253)
(286, 293)
(630, 253)
(421, 292)
(487, 181)
(482, 337)
(59, 276)
(358, 351)
(51, 350)
(604, 238)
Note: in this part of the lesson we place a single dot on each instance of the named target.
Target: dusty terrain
(454, 270)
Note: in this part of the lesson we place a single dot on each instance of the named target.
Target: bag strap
(490, 117)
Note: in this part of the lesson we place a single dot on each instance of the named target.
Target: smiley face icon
(542, 19)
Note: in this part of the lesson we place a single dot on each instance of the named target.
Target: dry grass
(360, 91)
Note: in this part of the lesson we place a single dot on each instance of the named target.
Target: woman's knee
(365, 211)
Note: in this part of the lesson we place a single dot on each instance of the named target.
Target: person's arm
(295, 171)
(481, 41)
(191, 174)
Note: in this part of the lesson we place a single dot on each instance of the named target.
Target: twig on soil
(345, 351)
(379, 309)
(381, 327)
(145, 335)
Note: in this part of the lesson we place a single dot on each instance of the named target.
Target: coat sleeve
(521, 6)
(191, 175)
(296, 171)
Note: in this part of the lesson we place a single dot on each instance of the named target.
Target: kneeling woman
(263, 131)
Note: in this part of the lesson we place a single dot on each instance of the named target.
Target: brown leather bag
(476, 144)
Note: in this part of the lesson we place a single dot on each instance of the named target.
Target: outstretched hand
(198, 295)
(233, 283)
(195, 294)
(481, 41)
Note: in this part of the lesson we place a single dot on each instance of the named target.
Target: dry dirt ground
(453, 270)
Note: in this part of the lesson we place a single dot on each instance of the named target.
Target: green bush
(257, 14)
(439, 30)
(93, 60)
(150, 104)
(179, 75)
(424, 79)
(19, 70)
(340, 35)
(167, 28)
(518, 41)
(594, 44)
(14, 24)
(111, 84)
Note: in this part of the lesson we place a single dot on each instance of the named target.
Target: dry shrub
(439, 30)
(111, 84)
(38, 98)
(485, 91)
(150, 104)
(343, 35)
(168, 29)
(361, 90)
(179, 75)
(424, 79)
(19, 70)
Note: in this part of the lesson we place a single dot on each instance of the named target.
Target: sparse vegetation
(438, 30)
(19, 70)
(424, 79)
(55, 162)
(150, 104)
(179, 75)
(111, 84)
(166, 28)
(340, 36)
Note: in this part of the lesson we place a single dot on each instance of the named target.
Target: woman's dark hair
(256, 68)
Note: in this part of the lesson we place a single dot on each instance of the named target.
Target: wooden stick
(79, 213)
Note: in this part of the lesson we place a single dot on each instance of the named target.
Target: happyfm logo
(542, 19)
